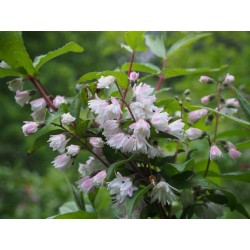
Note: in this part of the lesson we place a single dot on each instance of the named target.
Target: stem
(161, 211)
(217, 115)
(162, 76)
(42, 92)
(209, 160)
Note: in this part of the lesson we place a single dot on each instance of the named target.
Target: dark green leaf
(51, 117)
(242, 210)
(185, 42)
(69, 47)
(13, 52)
(142, 67)
(77, 215)
(9, 72)
(78, 198)
(156, 45)
(75, 107)
(135, 40)
(243, 103)
(88, 76)
(183, 166)
(137, 196)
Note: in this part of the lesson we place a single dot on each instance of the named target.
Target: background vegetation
(30, 187)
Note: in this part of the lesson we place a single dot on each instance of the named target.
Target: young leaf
(9, 72)
(137, 196)
(156, 45)
(13, 52)
(69, 47)
(185, 42)
(235, 119)
(135, 40)
(142, 67)
(77, 215)
(243, 103)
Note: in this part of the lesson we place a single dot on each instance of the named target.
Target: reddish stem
(162, 76)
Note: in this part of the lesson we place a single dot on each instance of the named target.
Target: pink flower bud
(234, 153)
(22, 97)
(205, 99)
(195, 116)
(229, 79)
(30, 128)
(58, 142)
(58, 101)
(232, 102)
(62, 161)
(38, 104)
(215, 153)
(85, 184)
(96, 142)
(98, 179)
(194, 133)
(133, 76)
(73, 150)
(67, 119)
(206, 79)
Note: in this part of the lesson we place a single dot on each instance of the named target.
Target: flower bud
(96, 142)
(206, 79)
(105, 82)
(186, 110)
(234, 153)
(30, 128)
(133, 76)
(215, 153)
(98, 179)
(206, 99)
(73, 150)
(232, 103)
(209, 119)
(16, 84)
(85, 184)
(67, 119)
(62, 161)
(58, 101)
(229, 79)
(187, 92)
(188, 99)
(22, 97)
(194, 134)
(195, 116)
(58, 142)
(38, 104)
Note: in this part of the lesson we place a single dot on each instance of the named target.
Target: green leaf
(68, 207)
(114, 166)
(126, 47)
(237, 120)
(9, 72)
(243, 145)
(183, 166)
(170, 73)
(69, 47)
(142, 67)
(51, 117)
(137, 196)
(238, 176)
(42, 140)
(77, 215)
(75, 107)
(185, 42)
(79, 201)
(243, 103)
(13, 52)
(156, 45)
(135, 40)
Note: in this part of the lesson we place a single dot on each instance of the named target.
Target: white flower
(121, 187)
(105, 82)
(111, 127)
(134, 144)
(176, 128)
(193, 133)
(229, 79)
(117, 140)
(97, 105)
(215, 153)
(141, 128)
(160, 121)
(133, 76)
(38, 104)
(4, 65)
(140, 111)
(59, 100)
(73, 150)
(96, 142)
(30, 128)
(67, 119)
(22, 97)
(85, 184)
(98, 179)
(196, 115)
(58, 142)
(163, 193)
(16, 84)
(155, 151)
(143, 92)
(62, 161)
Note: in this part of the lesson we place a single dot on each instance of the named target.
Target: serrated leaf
(77, 215)
(14, 53)
(170, 73)
(235, 119)
(156, 45)
(243, 103)
(69, 47)
(135, 40)
(137, 196)
(114, 166)
(185, 42)
(142, 67)
(9, 72)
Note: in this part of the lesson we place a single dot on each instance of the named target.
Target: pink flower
(229, 79)
(16, 84)
(234, 153)
(67, 119)
(206, 79)
(195, 116)
(176, 128)
(30, 128)
(96, 142)
(85, 184)
(105, 82)
(111, 127)
(73, 150)
(58, 101)
(194, 133)
(143, 92)
(117, 141)
(22, 97)
(155, 151)
(232, 102)
(98, 179)
(38, 104)
(58, 142)
(134, 144)
(62, 161)
(141, 128)
(133, 76)
(160, 121)
(97, 105)
(215, 153)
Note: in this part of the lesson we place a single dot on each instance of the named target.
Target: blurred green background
(30, 187)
